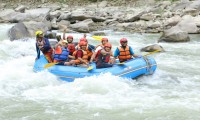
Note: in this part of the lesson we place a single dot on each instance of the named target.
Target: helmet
(104, 39)
(69, 36)
(39, 32)
(123, 40)
(82, 43)
(108, 45)
(83, 39)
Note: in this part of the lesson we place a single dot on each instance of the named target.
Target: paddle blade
(152, 52)
(90, 68)
(120, 63)
(49, 65)
(97, 37)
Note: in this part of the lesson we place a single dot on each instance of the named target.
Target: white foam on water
(172, 92)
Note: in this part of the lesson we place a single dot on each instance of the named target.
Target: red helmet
(123, 40)
(83, 39)
(108, 45)
(104, 39)
(82, 43)
(69, 36)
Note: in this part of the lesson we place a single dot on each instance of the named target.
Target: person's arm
(92, 57)
(38, 51)
(84, 36)
(104, 52)
(47, 44)
(64, 37)
(82, 60)
(116, 53)
(58, 44)
(94, 53)
(132, 53)
(71, 57)
(80, 55)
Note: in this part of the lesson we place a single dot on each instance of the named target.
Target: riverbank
(178, 18)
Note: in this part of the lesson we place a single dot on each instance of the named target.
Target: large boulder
(152, 48)
(18, 31)
(98, 19)
(54, 24)
(83, 26)
(55, 14)
(148, 17)
(103, 4)
(16, 17)
(80, 16)
(188, 24)
(12, 16)
(197, 20)
(155, 24)
(134, 17)
(64, 16)
(63, 24)
(194, 5)
(20, 8)
(33, 26)
(180, 6)
(5, 15)
(99, 33)
(2, 5)
(192, 12)
(174, 34)
(172, 21)
(39, 14)
(26, 29)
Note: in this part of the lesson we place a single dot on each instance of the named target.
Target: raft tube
(130, 69)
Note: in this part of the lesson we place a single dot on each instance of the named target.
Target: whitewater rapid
(171, 93)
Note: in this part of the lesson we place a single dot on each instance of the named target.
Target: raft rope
(148, 65)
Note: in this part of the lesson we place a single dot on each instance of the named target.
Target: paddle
(97, 37)
(90, 68)
(61, 63)
(120, 63)
(152, 52)
(49, 65)
(52, 64)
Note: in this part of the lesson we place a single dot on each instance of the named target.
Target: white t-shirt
(98, 48)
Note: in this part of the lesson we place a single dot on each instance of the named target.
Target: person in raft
(104, 59)
(71, 45)
(61, 53)
(89, 48)
(42, 44)
(81, 57)
(97, 48)
(124, 52)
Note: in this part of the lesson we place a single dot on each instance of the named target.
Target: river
(171, 93)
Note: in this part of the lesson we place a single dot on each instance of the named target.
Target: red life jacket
(102, 58)
(98, 53)
(84, 57)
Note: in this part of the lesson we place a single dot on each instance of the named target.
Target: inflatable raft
(130, 69)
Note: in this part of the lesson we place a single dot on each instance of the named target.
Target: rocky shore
(174, 19)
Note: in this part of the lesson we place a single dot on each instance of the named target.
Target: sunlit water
(171, 93)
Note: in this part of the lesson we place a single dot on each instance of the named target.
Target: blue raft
(130, 69)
